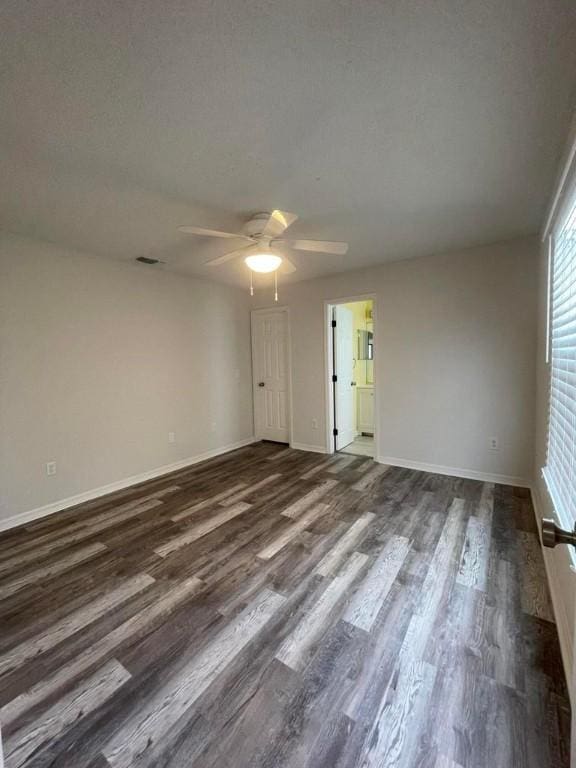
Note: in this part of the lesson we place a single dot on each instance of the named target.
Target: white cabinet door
(270, 375)
(365, 399)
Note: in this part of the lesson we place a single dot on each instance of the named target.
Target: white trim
(468, 474)
(328, 352)
(309, 448)
(57, 506)
(558, 605)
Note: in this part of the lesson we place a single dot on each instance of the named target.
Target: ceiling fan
(262, 236)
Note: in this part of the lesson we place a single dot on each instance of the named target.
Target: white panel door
(344, 364)
(270, 375)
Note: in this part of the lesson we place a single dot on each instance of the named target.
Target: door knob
(352, 383)
(552, 534)
(261, 384)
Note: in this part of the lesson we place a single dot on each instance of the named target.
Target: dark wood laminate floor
(283, 609)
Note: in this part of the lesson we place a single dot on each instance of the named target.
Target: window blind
(560, 470)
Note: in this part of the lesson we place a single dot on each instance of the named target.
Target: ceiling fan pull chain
(275, 286)
(251, 285)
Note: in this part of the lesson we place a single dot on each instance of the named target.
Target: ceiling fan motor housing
(255, 226)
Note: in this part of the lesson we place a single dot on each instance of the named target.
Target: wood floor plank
(308, 499)
(205, 503)
(73, 623)
(486, 504)
(78, 534)
(475, 558)
(293, 651)
(379, 660)
(322, 466)
(394, 739)
(263, 715)
(494, 726)
(499, 622)
(281, 454)
(249, 491)
(172, 700)
(292, 531)
(368, 599)
(370, 477)
(202, 529)
(442, 761)
(83, 700)
(96, 653)
(535, 595)
(330, 563)
(314, 731)
(51, 531)
(441, 572)
(341, 464)
(100, 520)
(65, 563)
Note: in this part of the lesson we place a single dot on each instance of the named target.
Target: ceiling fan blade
(278, 222)
(226, 257)
(287, 266)
(210, 232)
(320, 246)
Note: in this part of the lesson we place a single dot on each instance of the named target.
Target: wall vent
(146, 260)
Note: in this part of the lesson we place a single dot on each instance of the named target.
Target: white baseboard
(118, 485)
(468, 474)
(309, 448)
(558, 605)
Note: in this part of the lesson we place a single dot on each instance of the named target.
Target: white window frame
(560, 483)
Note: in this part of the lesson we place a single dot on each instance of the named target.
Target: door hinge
(334, 378)
(335, 432)
(333, 323)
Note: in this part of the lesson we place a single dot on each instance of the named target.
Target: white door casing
(270, 375)
(344, 366)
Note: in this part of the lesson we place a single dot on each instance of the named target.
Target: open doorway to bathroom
(351, 377)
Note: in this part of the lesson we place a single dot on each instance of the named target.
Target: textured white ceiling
(404, 127)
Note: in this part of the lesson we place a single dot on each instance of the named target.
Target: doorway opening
(351, 399)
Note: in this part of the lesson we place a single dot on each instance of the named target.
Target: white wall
(99, 360)
(455, 354)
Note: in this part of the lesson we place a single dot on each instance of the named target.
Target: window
(560, 470)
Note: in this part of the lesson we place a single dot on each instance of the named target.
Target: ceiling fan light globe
(263, 262)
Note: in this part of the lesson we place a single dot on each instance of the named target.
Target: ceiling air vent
(146, 260)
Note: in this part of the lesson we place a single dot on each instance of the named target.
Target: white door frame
(328, 357)
(268, 310)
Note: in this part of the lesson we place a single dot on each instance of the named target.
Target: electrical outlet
(314, 423)
(494, 444)
(51, 468)
(171, 437)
